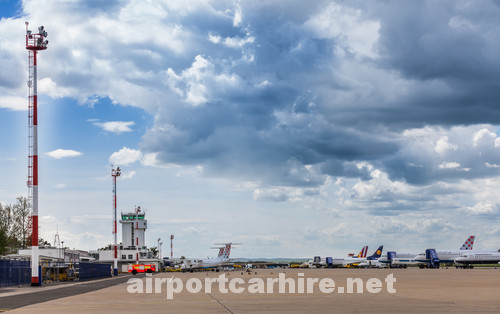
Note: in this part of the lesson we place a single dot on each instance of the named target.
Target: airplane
(322, 261)
(403, 260)
(467, 260)
(390, 260)
(355, 261)
(444, 256)
(210, 263)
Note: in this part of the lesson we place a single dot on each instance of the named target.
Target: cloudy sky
(297, 128)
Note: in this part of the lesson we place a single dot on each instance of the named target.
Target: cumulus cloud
(396, 100)
(354, 33)
(63, 153)
(13, 103)
(125, 156)
(116, 127)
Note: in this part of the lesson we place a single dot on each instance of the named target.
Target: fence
(18, 272)
(14, 272)
(94, 270)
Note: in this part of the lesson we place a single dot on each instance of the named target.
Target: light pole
(115, 173)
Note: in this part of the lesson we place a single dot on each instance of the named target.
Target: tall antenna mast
(115, 173)
(171, 246)
(34, 43)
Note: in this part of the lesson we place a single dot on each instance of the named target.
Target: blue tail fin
(377, 253)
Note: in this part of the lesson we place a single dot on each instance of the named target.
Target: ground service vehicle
(139, 268)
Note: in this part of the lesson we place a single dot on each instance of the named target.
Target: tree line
(14, 226)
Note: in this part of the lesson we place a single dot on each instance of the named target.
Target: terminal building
(132, 249)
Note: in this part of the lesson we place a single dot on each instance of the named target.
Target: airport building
(132, 249)
(56, 254)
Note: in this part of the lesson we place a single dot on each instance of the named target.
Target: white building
(133, 248)
(50, 253)
(134, 227)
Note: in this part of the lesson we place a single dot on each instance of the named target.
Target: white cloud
(200, 83)
(127, 174)
(125, 156)
(14, 103)
(443, 145)
(63, 153)
(47, 86)
(483, 134)
(483, 207)
(347, 25)
(237, 42)
(237, 16)
(487, 164)
(116, 127)
(449, 165)
(281, 194)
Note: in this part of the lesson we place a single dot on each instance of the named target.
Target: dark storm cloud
(290, 92)
(441, 58)
(455, 43)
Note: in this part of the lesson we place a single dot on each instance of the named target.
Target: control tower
(134, 227)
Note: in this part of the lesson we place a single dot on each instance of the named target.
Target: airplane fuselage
(479, 258)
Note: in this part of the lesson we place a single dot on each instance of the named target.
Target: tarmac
(373, 290)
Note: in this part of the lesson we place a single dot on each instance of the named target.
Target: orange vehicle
(139, 268)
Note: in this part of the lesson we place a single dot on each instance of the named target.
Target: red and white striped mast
(34, 43)
(115, 173)
(171, 246)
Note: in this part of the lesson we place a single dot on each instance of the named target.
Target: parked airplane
(393, 259)
(322, 261)
(219, 261)
(444, 256)
(352, 261)
(467, 260)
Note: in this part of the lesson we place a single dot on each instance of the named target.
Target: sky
(296, 128)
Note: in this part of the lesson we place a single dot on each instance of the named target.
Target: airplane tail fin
(363, 251)
(221, 252)
(377, 253)
(226, 251)
(469, 243)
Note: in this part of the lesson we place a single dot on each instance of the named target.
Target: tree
(154, 249)
(21, 216)
(108, 247)
(4, 229)
(14, 226)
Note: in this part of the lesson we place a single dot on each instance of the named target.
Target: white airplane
(349, 261)
(390, 260)
(219, 261)
(322, 261)
(393, 259)
(467, 260)
(444, 256)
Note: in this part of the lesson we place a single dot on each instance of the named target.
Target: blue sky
(297, 128)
